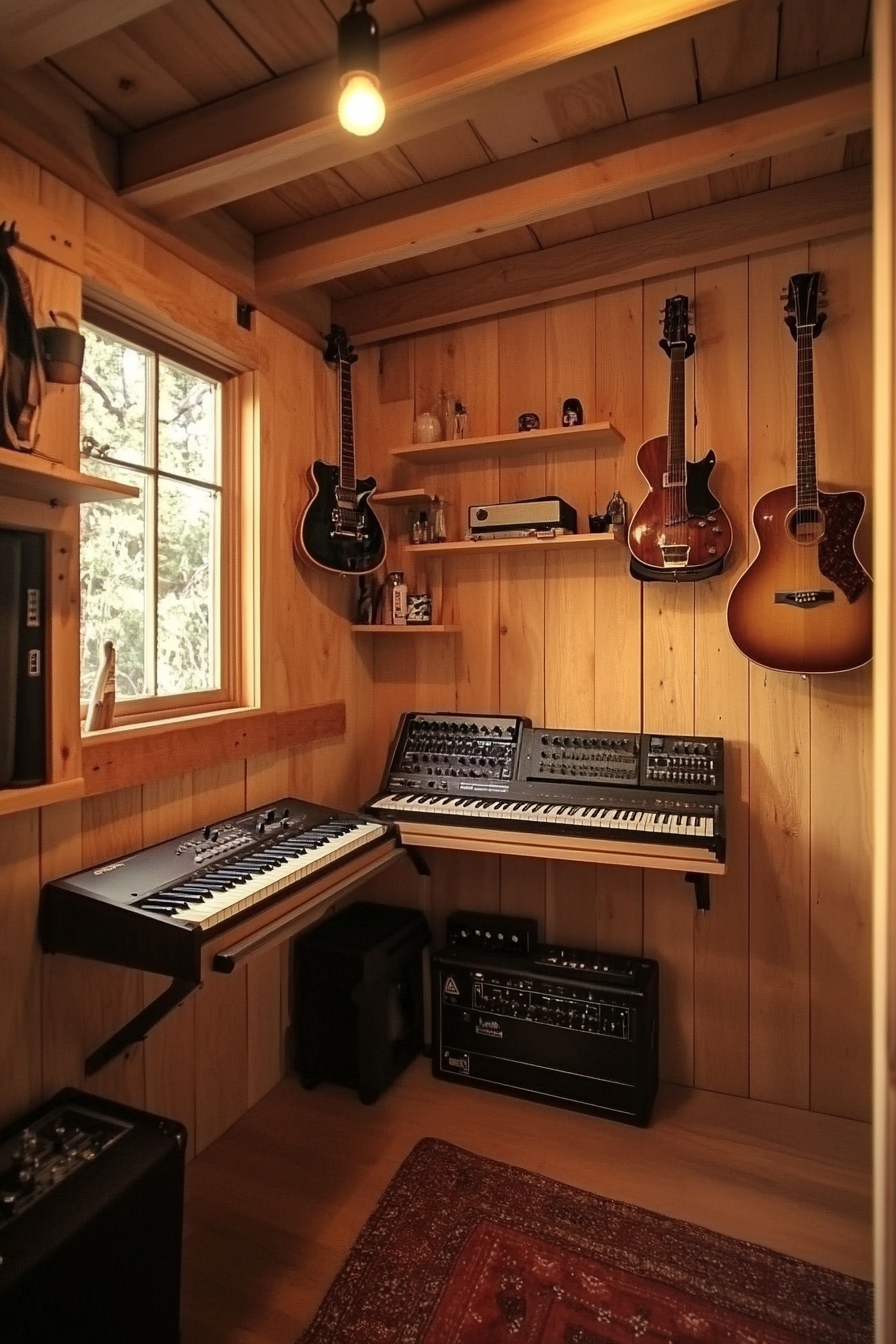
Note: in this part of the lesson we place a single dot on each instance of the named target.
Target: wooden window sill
(116, 758)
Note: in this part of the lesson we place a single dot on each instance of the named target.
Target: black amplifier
(561, 1025)
(91, 1216)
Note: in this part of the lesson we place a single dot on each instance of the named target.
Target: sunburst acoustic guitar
(679, 533)
(804, 604)
(339, 530)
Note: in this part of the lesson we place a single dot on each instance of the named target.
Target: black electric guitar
(338, 530)
(804, 604)
(680, 533)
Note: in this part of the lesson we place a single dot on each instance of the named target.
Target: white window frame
(237, 674)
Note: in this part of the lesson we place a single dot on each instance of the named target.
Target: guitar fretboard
(346, 427)
(675, 461)
(806, 478)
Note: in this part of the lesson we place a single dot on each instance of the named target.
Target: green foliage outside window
(149, 566)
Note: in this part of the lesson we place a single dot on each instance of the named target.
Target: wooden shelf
(39, 795)
(23, 476)
(406, 629)
(395, 498)
(600, 435)
(583, 540)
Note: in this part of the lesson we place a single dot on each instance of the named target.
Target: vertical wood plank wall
(224, 1047)
(768, 994)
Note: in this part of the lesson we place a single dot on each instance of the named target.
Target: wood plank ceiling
(490, 155)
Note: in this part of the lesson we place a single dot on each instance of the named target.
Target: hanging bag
(21, 370)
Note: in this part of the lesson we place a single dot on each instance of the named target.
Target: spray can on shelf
(395, 599)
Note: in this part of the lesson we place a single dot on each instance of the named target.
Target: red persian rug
(463, 1250)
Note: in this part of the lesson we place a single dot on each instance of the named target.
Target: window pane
(188, 423)
(188, 565)
(113, 561)
(113, 399)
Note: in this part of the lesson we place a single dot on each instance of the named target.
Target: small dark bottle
(572, 412)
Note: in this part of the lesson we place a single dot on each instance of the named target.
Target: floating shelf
(23, 476)
(399, 497)
(39, 795)
(405, 629)
(584, 540)
(600, 435)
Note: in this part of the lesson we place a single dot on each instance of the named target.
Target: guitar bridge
(805, 597)
(675, 556)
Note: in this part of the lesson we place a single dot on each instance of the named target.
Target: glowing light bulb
(361, 109)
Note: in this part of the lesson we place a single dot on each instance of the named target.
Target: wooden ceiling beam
(33, 29)
(573, 175)
(433, 75)
(816, 208)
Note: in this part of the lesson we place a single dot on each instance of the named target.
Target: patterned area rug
(463, 1250)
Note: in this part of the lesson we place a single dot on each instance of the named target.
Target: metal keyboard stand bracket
(140, 1025)
(701, 888)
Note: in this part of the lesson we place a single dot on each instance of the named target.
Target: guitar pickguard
(836, 557)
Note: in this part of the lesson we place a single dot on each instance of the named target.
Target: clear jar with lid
(395, 599)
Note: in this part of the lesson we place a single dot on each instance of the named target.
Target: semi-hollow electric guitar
(804, 604)
(339, 530)
(679, 533)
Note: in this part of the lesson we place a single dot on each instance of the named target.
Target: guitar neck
(806, 477)
(675, 459)
(346, 428)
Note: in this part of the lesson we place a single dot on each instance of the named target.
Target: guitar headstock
(338, 350)
(676, 326)
(805, 303)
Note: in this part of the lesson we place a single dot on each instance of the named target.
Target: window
(153, 569)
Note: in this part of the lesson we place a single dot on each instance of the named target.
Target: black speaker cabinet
(91, 1216)
(562, 1025)
(359, 997)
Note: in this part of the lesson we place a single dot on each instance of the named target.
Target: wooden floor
(275, 1203)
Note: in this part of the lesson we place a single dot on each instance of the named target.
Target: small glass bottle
(420, 530)
(446, 413)
(439, 530)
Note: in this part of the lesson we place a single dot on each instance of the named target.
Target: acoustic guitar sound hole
(806, 526)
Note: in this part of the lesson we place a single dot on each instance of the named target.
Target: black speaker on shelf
(359, 1007)
(91, 1217)
(23, 679)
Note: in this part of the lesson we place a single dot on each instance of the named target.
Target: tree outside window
(151, 567)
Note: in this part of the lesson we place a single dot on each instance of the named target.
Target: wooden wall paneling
(619, 343)
(19, 174)
(221, 1012)
(721, 685)
(471, 581)
(169, 1051)
(20, 1015)
(841, 785)
(668, 699)
(268, 975)
(92, 1000)
(779, 736)
(62, 1057)
(521, 581)
(436, 368)
(569, 633)
(383, 383)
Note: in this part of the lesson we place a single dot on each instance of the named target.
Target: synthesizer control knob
(206, 832)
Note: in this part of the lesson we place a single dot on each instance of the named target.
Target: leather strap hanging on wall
(21, 370)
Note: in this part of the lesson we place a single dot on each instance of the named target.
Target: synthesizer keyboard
(497, 772)
(155, 910)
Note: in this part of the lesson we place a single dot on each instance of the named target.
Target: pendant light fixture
(361, 108)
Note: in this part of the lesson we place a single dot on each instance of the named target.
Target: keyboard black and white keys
(156, 909)
(498, 773)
